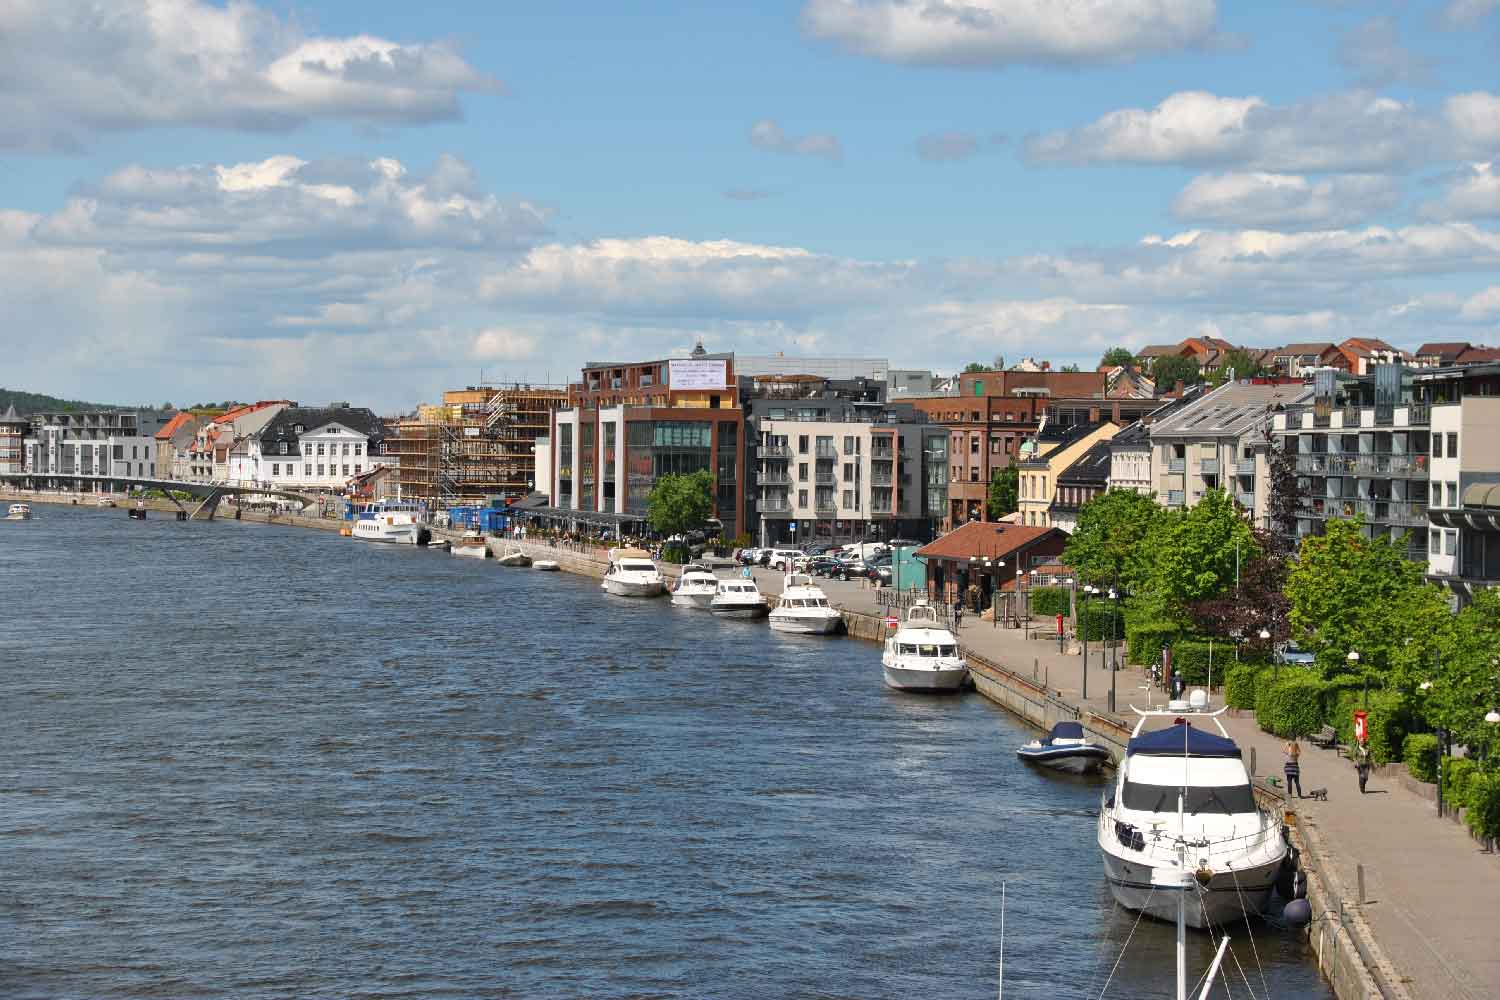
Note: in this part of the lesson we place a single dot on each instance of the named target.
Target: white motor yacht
(632, 574)
(804, 608)
(387, 521)
(514, 557)
(546, 565)
(923, 655)
(738, 597)
(696, 587)
(18, 512)
(472, 544)
(1182, 800)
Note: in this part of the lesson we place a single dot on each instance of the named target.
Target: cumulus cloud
(1355, 131)
(1373, 54)
(766, 134)
(1286, 201)
(1471, 192)
(938, 147)
(1474, 119)
(1006, 32)
(72, 69)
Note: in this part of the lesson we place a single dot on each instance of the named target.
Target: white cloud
(1471, 192)
(766, 134)
(1466, 13)
(72, 69)
(1286, 201)
(1482, 306)
(1474, 119)
(497, 344)
(938, 147)
(1373, 54)
(1354, 131)
(1005, 32)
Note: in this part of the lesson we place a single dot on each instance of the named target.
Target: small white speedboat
(804, 608)
(1066, 748)
(738, 597)
(18, 512)
(514, 557)
(546, 565)
(923, 655)
(695, 588)
(472, 545)
(632, 574)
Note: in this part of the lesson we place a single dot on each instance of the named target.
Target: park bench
(1327, 738)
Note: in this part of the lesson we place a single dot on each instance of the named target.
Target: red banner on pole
(1361, 727)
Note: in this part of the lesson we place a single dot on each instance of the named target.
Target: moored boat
(388, 521)
(472, 545)
(18, 512)
(632, 574)
(513, 557)
(923, 655)
(546, 565)
(1183, 793)
(738, 597)
(695, 587)
(1066, 748)
(803, 608)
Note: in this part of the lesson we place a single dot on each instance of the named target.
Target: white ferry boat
(696, 587)
(804, 608)
(1183, 799)
(18, 512)
(388, 521)
(923, 655)
(632, 574)
(738, 597)
(472, 545)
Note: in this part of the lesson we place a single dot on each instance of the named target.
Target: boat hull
(741, 611)
(403, 534)
(1228, 896)
(17, 517)
(470, 551)
(805, 626)
(546, 566)
(699, 601)
(514, 559)
(943, 681)
(1073, 760)
(623, 588)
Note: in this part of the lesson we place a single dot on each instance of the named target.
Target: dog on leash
(1321, 794)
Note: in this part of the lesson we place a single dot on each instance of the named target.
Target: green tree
(1464, 674)
(1005, 492)
(1349, 592)
(1193, 556)
(974, 367)
(1118, 356)
(1111, 527)
(1170, 370)
(1070, 368)
(1238, 361)
(681, 503)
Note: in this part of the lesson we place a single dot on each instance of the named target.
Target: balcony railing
(1209, 467)
(826, 451)
(1174, 498)
(1418, 415)
(775, 451)
(774, 506)
(880, 508)
(825, 507)
(1350, 416)
(776, 478)
(881, 478)
(882, 454)
(1176, 465)
(1383, 464)
(1245, 467)
(826, 479)
(1247, 500)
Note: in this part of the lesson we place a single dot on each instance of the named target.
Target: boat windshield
(637, 567)
(1217, 799)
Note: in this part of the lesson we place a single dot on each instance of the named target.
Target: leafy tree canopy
(1111, 527)
(974, 367)
(1192, 556)
(1169, 371)
(1464, 674)
(1004, 494)
(1240, 363)
(681, 503)
(1070, 368)
(1117, 356)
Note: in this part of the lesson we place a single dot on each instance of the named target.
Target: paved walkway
(1433, 895)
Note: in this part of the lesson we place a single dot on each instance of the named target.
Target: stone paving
(1433, 895)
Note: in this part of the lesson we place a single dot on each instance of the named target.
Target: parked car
(1293, 655)
(820, 549)
(828, 566)
(879, 574)
(782, 560)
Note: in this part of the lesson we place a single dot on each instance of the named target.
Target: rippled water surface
(251, 761)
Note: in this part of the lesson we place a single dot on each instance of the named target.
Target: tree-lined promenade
(1384, 640)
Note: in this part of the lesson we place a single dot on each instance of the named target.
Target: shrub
(1292, 706)
(1420, 751)
(1458, 775)
(1483, 802)
(1239, 684)
(1192, 658)
(1049, 602)
(676, 552)
(1100, 624)
(1145, 640)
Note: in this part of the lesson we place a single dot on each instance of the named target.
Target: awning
(601, 519)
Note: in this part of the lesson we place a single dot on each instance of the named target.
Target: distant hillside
(35, 402)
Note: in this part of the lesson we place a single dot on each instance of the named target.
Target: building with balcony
(1219, 441)
(93, 443)
(13, 428)
(1363, 448)
(626, 424)
(1043, 460)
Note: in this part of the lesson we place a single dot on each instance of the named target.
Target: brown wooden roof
(985, 539)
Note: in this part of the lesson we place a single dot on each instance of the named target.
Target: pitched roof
(1478, 355)
(1230, 410)
(1090, 468)
(1157, 350)
(1308, 348)
(1368, 345)
(12, 417)
(171, 427)
(1446, 350)
(282, 427)
(985, 539)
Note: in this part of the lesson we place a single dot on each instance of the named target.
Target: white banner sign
(697, 374)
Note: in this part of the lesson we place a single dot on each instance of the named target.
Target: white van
(782, 559)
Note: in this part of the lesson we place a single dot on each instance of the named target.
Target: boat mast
(1182, 891)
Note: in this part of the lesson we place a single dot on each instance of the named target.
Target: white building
(1130, 460)
(94, 443)
(311, 448)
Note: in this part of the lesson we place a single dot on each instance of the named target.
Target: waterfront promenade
(1432, 894)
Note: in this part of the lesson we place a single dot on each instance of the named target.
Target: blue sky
(376, 201)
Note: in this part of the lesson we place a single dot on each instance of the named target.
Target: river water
(241, 760)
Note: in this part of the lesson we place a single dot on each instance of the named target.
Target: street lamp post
(1265, 636)
(995, 594)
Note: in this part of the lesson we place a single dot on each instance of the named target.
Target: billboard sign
(698, 373)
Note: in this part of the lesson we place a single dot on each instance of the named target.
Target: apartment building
(1079, 483)
(93, 443)
(1130, 459)
(1044, 459)
(13, 428)
(628, 423)
(1219, 441)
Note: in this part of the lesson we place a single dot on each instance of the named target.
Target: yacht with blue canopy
(1182, 805)
(1066, 748)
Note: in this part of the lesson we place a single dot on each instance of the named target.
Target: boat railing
(1157, 843)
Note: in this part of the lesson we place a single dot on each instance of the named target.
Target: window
(974, 445)
(134, 452)
(802, 444)
(346, 470)
(345, 452)
(285, 447)
(1450, 542)
(276, 470)
(1452, 444)
(802, 469)
(1437, 446)
(848, 444)
(848, 499)
(320, 470)
(801, 498)
(1437, 497)
(358, 468)
(1220, 799)
(359, 449)
(974, 474)
(994, 446)
(1452, 494)
(1436, 546)
(320, 449)
(848, 470)
(307, 470)
(307, 450)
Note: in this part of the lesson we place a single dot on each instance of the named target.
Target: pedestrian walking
(958, 617)
(1361, 756)
(1292, 766)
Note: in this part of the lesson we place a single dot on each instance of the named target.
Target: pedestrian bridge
(208, 494)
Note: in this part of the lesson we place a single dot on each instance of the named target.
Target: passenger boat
(632, 574)
(388, 521)
(546, 565)
(1182, 800)
(923, 655)
(696, 587)
(138, 512)
(18, 512)
(514, 557)
(738, 597)
(472, 545)
(1066, 748)
(804, 608)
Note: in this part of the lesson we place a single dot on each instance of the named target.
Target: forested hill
(35, 402)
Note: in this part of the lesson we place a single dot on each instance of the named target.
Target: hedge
(676, 552)
(1049, 602)
(1420, 751)
(1240, 683)
(1458, 775)
(1483, 803)
(1099, 624)
(1293, 706)
(1144, 641)
(1387, 722)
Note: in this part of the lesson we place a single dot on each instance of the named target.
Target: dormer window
(284, 448)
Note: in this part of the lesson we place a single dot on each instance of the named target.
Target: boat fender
(1298, 913)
